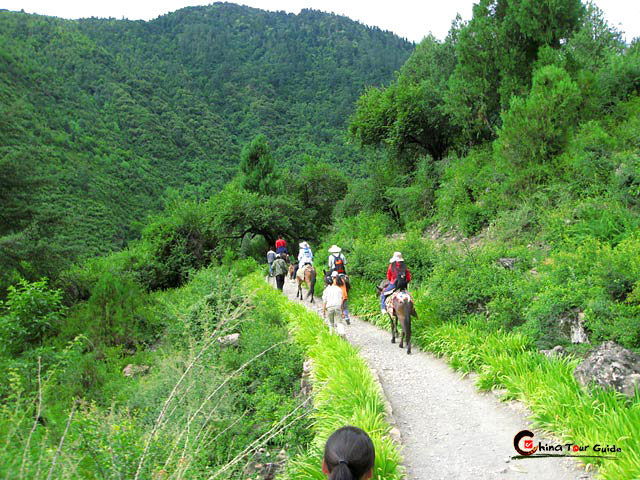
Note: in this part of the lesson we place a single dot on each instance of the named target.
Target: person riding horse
(281, 248)
(337, 262)
(401, 305)
(399, 277)
(305, 257)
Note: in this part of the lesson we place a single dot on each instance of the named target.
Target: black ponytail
(349, 454)
(341, 472)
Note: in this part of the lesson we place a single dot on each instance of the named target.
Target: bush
(32, 313)
(118, 312)
(469, 194)
(536, 129)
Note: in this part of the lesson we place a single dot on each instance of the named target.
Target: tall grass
(203, 411)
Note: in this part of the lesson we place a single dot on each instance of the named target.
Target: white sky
(412, 19)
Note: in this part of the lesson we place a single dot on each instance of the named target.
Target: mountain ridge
(117, 116)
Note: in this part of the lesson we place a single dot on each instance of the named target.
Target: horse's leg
(393, 327)
(401, 335)
(406, 325)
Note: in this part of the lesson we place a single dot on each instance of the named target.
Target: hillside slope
(102, 118)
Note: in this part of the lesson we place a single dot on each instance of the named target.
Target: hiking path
(449, 430)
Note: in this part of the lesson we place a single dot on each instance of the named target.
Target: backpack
(401, 276)
(338, 264)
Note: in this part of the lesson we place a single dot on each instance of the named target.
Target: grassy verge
(344, 390)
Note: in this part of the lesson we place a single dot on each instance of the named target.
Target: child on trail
(343, 286)
(332, 301)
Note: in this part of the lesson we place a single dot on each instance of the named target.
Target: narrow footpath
(449, 429)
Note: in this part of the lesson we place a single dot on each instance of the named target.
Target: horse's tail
(408, 307)
(312, 286)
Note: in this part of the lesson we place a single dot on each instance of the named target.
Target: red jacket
(392, 273)
(280, 243)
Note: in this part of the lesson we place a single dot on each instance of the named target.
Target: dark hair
(349, 454)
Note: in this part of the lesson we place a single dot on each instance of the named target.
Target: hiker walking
(271, 256)
(332, 300)
(279, 270)
(342, 283)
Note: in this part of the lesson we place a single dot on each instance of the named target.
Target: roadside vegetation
(195, 408)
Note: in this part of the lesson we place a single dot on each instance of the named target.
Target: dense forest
(105, 121)
(503, 161)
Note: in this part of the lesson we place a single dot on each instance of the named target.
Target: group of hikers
(349, 452)
(335, 295)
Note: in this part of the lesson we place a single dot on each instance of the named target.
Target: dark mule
(309, 279)
(403, 310)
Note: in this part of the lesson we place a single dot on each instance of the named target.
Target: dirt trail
(449, 430)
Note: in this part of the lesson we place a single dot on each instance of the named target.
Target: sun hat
(335, 249)
(397, 257)
(304, 245)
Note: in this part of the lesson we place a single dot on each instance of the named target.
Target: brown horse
(403, 309)
(309, 279)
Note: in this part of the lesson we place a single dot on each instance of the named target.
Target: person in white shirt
(305, 257)
(337, 260)
(332, 304)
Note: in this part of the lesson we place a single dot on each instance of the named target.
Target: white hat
(304, 245)
(397, 257)
(335, 249)
(334, 274)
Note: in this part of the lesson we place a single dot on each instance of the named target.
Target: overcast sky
(412, 19)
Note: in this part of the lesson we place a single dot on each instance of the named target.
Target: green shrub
(32, 313)
(536, 129)
(626, 178)
(589, 156)
(469, 193)
(118, 312)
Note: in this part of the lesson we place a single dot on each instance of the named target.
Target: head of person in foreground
(348, 455)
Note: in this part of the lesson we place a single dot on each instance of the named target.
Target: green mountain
(102, 120)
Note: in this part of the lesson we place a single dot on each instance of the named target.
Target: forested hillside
(102, 120)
